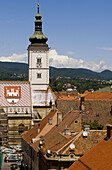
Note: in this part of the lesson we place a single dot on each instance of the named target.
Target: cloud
(62, 61)
(105, 48)
(15, 58)
(70, 52)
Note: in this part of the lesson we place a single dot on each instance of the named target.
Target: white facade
(38, 69)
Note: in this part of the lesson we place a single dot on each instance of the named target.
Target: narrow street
(5, 165)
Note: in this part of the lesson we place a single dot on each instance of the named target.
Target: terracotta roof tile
(32, 133)
(66, 95)
(98, 96)
(53, 139)
(83, 145)
(100, 157)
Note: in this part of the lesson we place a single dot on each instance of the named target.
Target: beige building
(16, 115)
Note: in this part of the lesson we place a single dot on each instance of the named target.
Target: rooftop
(100, 157)
(55, 139)
(24, 98)
(103, 96)
(32, 133)
(70, 96)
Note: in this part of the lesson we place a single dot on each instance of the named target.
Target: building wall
(65, 106)
(14, 137)
(35, 160)
(31, 157)
(43, 82)
(89, 109)
(97, 110)
(76, 125)
(42, 111)
(27, 155)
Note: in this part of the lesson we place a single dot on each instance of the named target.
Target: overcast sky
(79, 31)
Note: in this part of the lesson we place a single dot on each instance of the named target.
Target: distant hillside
(13, 71)
(19, 71)
(13, 67)
(80, 73)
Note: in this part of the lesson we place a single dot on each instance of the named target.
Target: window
(38, 75)
(15, 110)
(50, 121)
(12, 101)
(76, 121)
(38, 60)
(26, 111)
(6, 109)
(39, 63)
(38, 129)
(10, 109)
(97, 114)
(22, 109)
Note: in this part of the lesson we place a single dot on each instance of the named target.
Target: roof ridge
(76, 137)
(68, 143)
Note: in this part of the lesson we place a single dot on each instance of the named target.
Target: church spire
(38, 8)
(38, 36)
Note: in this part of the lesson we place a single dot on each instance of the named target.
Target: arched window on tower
(39, 62)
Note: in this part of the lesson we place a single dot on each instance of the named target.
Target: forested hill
(13, 71)
(19, 71)
(80, 73)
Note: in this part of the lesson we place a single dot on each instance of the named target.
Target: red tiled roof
(24, 99)
(53, 139)
(32, 133)
(100, 157)
(83, 145)
(66, 95)
(98, 96)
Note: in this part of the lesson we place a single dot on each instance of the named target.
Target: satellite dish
(84, 133)
(72, 146)
(49, 151)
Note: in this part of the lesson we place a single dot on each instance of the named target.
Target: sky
(79, 31)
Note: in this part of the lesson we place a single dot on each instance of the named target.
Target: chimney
(87, 128)
(109, 131)
(59, 117)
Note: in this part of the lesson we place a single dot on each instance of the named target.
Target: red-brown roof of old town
(100, 157)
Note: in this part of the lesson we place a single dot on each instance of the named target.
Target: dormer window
(50, 121)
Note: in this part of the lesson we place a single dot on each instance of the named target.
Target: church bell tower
(38, 59)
